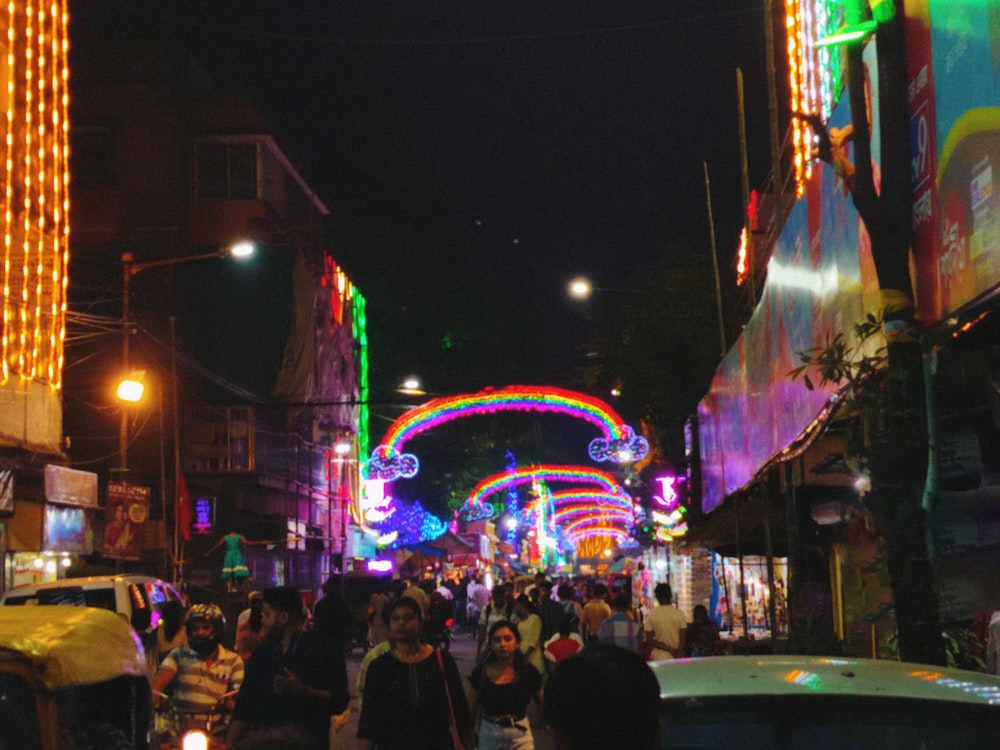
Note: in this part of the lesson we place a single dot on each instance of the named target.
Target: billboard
(954, 52)
(125, 517)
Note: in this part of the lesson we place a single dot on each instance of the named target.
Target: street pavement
(463, 649)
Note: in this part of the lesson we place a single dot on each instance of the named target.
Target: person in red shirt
(564, 643)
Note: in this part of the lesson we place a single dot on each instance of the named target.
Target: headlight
(194, 740)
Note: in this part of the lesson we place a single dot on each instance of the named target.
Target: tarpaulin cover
(72, 646)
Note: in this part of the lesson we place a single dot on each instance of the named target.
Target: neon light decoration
(595, 498)
(618, 443)
(668, 497)
(409, 525)
(545, 472)
(513, 499)
(815, 74)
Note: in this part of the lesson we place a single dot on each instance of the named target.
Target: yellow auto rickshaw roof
(72, 646)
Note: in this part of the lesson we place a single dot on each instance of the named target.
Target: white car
(127, 595)
(817, 703)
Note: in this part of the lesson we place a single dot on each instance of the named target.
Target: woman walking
(413, 697)
(503, 685)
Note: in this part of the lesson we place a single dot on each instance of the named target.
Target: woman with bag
(503, 686)
(413, 697)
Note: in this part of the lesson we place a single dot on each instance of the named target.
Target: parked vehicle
(786, 702)
(71, 677)
(132, 596)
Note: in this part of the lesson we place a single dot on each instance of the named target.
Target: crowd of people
(535, 640)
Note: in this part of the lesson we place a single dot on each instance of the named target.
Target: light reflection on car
(782, 702)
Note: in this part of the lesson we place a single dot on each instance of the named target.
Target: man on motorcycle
(203, 671)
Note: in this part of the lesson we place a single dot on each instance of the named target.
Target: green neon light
(359, 330)
(848, 34)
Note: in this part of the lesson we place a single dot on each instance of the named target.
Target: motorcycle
(200, 729)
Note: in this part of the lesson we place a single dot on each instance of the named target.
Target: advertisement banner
(956, 145)
(125, 518)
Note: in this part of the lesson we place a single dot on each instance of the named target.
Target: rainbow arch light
(618, 441)
(545, 472)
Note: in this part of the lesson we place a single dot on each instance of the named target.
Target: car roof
(745, 676)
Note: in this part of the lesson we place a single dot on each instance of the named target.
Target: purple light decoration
(668, 497)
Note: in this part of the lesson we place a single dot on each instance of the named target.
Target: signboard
(125, 517)
(70, 486)
(204, 515)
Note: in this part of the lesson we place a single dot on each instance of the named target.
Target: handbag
(456, 737)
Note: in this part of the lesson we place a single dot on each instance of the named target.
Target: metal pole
(126, 259)
(715, 265)
(163, 481)
(777, 178)
(177, 441)
(745, 188)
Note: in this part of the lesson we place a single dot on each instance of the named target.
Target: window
(227, 171)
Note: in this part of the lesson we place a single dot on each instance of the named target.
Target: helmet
(201, 614)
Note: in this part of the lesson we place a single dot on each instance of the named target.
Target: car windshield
(826, 722)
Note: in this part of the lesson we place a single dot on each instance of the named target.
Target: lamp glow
(130, 390)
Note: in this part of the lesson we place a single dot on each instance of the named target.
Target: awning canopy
(720, 531)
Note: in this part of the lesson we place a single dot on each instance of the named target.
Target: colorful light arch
(618, 443)
(545, 472)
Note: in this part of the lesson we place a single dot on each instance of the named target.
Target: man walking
(666, 626)
(595, 612)
(620, 629)
(294, 679)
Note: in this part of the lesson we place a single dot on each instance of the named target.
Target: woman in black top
(412, 692)
(503, 685)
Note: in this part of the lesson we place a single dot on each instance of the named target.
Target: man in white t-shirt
(665, 626)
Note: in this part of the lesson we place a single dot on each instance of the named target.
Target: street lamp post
(129, 269)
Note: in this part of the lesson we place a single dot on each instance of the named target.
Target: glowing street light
(131, 388)
(582, 288)
(130, 268)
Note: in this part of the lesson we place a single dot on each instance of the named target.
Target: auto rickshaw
(71, 678)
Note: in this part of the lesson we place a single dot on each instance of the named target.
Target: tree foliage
(658, 345)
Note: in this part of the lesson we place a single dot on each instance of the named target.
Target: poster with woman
(124, 520)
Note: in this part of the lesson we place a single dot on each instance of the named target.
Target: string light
(36, 230)
(814, 73)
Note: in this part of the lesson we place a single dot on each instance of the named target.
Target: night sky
(475, 156)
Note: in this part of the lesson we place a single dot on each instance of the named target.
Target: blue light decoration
(627, 448)
(408, 526)
(471, 511)
(388, 464)
(512, 496)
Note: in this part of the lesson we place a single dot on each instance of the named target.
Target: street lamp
(130, 268)
(582, 288)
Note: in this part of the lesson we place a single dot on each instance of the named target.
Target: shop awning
(718, 530)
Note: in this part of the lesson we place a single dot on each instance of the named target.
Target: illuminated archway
(545, 472)
(618, 443)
